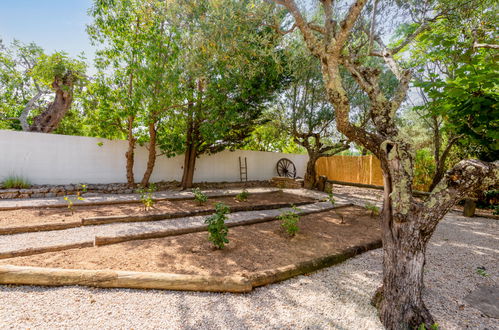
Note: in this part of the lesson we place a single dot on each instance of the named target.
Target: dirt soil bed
(42, 216)
(252, 248)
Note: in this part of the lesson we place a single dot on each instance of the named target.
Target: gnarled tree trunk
(310, 179)
(49, 120)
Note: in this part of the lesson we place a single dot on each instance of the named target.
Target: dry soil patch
(252, 248)
(49, 216)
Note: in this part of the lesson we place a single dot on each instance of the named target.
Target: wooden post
(469, 207)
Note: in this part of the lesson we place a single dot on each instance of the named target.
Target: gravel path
(86, 234)
(334, 298)
(117, 198)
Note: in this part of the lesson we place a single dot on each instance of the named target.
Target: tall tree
(227, 78)
(137, 71)
(28, 77)
(308, 115)
(407, 224)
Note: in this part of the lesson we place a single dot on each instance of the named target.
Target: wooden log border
(139, 218)
(107, 240)
(22, 275)
(25, 275)
(35, 228)
(163, 216)
(53, 248)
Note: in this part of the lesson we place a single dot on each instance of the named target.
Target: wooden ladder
(243, 169)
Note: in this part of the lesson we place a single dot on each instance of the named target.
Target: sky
(55, 25)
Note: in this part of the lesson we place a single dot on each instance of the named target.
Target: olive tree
(407, 224)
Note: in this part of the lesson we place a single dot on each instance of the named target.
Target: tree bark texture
(151, 159)
(49, 120)
(130, 154)
(310, 179)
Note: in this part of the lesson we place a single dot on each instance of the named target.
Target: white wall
(60, 159)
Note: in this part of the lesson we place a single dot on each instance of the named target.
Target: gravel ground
(335, 298)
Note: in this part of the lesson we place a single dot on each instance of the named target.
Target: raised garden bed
(50, 218)
(257, 254)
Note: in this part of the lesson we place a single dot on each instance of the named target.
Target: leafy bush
(242, 196)
(217, 229)
(424, 169)
(289, 221)
(199, 196)
(146, 196)
(17, 182)
(373, 208)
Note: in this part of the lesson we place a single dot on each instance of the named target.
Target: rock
(37, 195)
(12, 194)
(69, 187)
(485, 299)
(50, 194)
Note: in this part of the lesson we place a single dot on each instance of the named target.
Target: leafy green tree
(457, 70)
(138, 74)
(349, 43)
(227, 77)
(28, 76)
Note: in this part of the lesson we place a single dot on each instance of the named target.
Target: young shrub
(217, 229)
(373, 208)
(330, 199)
(242, 196)
(289, 221)
(17, 182)
(199, 196)
(70, 200)
(146, 196)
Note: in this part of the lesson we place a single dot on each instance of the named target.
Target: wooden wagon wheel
(286, 168)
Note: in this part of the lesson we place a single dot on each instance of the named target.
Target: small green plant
(199, 196)
(17, 182)
(434, 326)
(217, 229)
(70, 200)
(242, 196)
(289, 221)
(373, 208)
(330, 198)
(481, 271)
(146, 196)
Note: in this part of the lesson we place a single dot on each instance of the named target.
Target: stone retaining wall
(40, 191)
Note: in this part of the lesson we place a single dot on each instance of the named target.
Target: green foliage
(146, 196)
(460, 79)
(330, 198)
(217, 229)
(424, 168)
(373, 208)
(199, 196)
(289, 221)
(242, 196)
(17, 182)
(482, 272)
(434, 326)
(57, 68)
(28, 74)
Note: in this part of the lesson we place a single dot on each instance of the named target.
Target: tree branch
(465, 177)
(491, 46)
